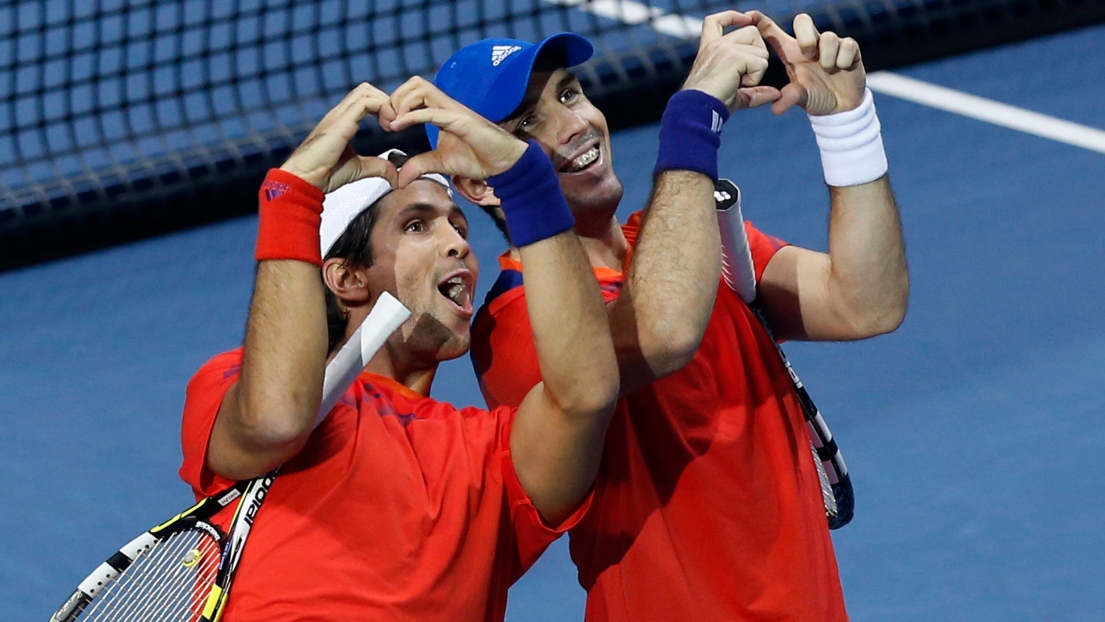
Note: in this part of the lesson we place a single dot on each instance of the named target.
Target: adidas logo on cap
(500, 52)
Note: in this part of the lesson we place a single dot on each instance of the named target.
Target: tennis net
(122, 118)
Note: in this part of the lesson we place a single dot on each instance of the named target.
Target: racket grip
(736, 256)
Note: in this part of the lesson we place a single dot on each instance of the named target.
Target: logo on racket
(258, 497)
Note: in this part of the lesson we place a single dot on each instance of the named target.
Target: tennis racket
(739, 273)
(182, 569)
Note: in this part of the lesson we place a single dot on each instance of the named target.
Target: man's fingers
(747, 36)
(351, 167)
(756, 96)
(409, 96)
(345, 118)
(323, 158)
(419, 165)
(443, 119)
(772, 33)
(789, 96)
(364, 89)
(805, 32)
(363, 99)
(419, 92)
(827, 51)
(372, 166)
(343, 122)
(385, 115)
(755, 69)
(360, 167)
(848, 56)
(713, 26)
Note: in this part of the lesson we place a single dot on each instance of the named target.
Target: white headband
(347, 202)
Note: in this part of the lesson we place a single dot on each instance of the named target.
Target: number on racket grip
(739, 273)
(182, 569)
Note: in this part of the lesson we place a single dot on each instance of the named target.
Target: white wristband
(851, 144)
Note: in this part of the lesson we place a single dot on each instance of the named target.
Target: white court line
(634, 13)
(924, 93)
(987, 110)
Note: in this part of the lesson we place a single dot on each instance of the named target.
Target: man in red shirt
(399, 507)
(708, 503)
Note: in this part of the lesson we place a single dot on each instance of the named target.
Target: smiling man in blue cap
(503, 78)
(708, 503)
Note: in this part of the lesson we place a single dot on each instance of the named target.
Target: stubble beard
(432, 341)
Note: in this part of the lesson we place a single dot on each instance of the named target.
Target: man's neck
(417, 378)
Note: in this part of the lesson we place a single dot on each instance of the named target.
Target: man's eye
(462, 231)
(527, 123)
(415, 226)
(568, 95)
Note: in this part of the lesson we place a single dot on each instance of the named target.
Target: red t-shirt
(399, 508)
(707, 504)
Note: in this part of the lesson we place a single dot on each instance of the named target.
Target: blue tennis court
(973, 434)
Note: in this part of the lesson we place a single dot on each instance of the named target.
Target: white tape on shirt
(384, 318)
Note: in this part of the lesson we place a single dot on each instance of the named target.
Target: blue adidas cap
(491, 76)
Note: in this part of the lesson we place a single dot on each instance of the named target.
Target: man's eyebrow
(429, 210)
(531, 99)
(563, 83)
(417, 209)
(456, 211)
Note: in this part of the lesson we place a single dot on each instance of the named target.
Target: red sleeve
(532, 534)
(763, 248)
(201, 405)
(632, 227)
(503, 353)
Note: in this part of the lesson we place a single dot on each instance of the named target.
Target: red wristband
(290, 215)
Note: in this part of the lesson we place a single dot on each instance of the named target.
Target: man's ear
(349, 283)
(476, 191)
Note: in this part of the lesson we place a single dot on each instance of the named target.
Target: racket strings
(168, 583)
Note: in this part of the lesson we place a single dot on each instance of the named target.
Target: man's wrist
(315, 178)
(690, 133)
(851, 145)
(532, 202)
(289, 215)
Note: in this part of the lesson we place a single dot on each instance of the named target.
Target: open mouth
(583, 161)
(458, 291)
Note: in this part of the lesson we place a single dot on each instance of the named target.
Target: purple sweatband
(690, 133)
(530, 193)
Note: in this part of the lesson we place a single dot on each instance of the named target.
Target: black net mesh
(120, 118)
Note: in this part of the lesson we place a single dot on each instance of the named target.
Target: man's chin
(441, 340)
(594, 193)
(455, 348)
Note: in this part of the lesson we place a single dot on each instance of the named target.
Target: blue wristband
(530, 193)
(690, 133)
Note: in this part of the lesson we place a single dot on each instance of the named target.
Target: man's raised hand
(326, 160)
(826, 72)
(468, 145)
(730, 66)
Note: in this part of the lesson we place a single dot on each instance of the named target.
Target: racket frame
(342, 370)
(739, 273)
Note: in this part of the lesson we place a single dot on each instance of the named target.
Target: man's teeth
(584, 160)
(455, 290)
